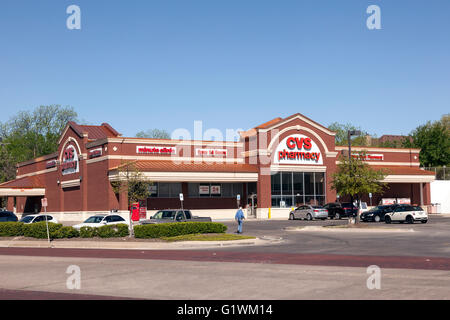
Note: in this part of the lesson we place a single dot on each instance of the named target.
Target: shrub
(177, 229)
(88, 232)
(39, 230)
(11, 229)
(65, 233)
(113, 231)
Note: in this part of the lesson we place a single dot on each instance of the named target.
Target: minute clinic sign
(156, 150)
(298, 149)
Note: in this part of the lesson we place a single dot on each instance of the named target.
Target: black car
(338, 210)
(377, 213)
(8, 216)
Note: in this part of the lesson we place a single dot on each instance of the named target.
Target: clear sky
(142, 64)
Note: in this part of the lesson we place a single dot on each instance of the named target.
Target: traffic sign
(44, 202)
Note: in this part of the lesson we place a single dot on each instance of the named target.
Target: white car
(406, 213)
(101, 220)
(34, 218)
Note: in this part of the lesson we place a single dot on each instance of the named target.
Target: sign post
(370, 196)
(238, 198)
(44, 204)
(181, 200)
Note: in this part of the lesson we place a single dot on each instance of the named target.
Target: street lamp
(351, 133)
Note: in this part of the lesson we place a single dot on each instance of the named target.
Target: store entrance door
(252, 206)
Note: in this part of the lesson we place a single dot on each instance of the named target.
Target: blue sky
(232, 64)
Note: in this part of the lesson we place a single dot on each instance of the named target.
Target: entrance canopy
(23, 187)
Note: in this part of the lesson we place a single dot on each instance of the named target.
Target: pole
(349, 136)
(46, 222)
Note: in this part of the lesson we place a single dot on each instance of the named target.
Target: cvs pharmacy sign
(298, 149)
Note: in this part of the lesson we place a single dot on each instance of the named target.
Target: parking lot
(430, 239)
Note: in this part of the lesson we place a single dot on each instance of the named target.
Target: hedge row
(58, 231)
(177, 229)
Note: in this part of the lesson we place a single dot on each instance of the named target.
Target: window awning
(170, 171)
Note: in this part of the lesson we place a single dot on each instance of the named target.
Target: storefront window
(168, 190)
(216, 190)
(291, 189)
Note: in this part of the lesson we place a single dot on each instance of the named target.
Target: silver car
(309, 212)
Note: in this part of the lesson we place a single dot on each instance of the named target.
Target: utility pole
(351, 133)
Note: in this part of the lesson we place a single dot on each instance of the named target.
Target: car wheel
(387, 220)
(291, 216)
(337, 216)
(309, 217)
(409, 220)
(377, 219)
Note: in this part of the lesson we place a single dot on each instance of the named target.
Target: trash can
(437, 207)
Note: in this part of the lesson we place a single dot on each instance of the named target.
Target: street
(306, 265)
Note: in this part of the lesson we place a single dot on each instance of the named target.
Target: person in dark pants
(239, 218)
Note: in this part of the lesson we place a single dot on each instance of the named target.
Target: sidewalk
(133, 245)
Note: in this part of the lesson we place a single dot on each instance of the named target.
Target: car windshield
(94, 219)
(26, 219)
(165, 214)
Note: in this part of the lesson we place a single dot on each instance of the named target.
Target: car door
(180, 216)
(108, 220)
(398, 214)
(118, 220)
(38, 219)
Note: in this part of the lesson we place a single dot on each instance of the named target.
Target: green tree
(31, 134)
(130, 180)
(153, 134)
(433, 139)
(342, 136)
(355, 178)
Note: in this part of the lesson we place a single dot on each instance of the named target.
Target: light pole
(351, 133)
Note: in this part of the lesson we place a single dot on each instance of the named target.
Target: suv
(376, 214)
(338, 210)
(7, 216)
(101, 220)
(34, 218)
(406, 213)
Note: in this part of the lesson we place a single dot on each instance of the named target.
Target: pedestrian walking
(240, 219)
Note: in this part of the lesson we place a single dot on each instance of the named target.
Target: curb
(350, 230)
(135, 245)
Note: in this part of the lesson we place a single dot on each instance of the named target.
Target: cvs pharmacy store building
(276, 165)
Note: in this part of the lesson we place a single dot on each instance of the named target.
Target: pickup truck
(178, 215)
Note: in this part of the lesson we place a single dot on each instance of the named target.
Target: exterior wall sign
(298, 149)
(203, 189)
(156, 150)
(153, 189)
(51, 164)
(95, 153)
(215, 190)
(369, 157)
(70, 161)
(211, 152)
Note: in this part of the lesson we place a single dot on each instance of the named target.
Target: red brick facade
(86, 184)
